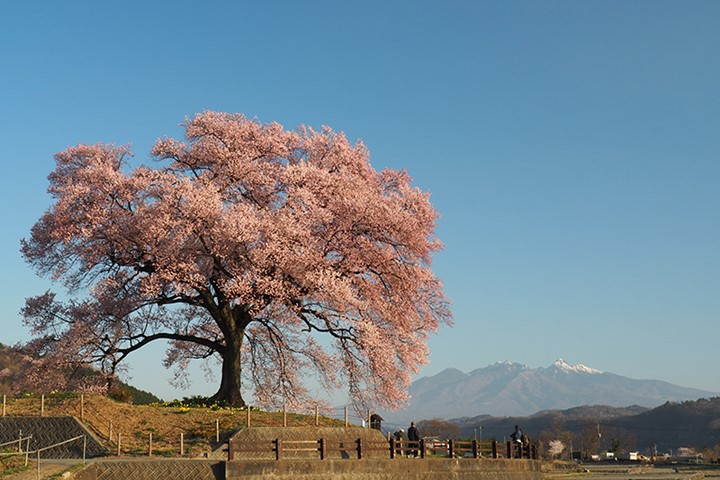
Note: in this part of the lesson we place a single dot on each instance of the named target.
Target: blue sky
(570, 147)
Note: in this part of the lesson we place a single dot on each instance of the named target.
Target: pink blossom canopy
(279, 252)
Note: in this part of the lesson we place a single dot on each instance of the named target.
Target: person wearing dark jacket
(517, 438)
(517, 435)
(413, 439)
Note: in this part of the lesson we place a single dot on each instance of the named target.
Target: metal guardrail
(19, 442)
(37, 452)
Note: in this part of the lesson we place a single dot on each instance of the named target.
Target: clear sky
(571, 147)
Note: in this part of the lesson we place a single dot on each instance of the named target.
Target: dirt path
(47, 470)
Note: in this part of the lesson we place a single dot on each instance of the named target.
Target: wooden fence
(321, 448)
(318, 449)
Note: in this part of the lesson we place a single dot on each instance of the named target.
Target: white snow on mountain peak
(563, 366)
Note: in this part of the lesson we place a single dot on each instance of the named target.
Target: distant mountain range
(692, 423)
(512, 389)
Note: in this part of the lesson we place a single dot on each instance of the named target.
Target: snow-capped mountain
(513, 389)
(562, 366)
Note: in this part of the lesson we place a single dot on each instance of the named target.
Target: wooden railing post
(494, 449)
(278, 449)
(422, 448)
(475, 449)
(451, 448)
(392, 447)
(323, 449)
(508, 449)
(359, 448)
(231, 451)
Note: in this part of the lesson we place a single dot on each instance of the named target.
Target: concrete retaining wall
(48, 431)
(369, 469)
(152, 470)
(377, 469)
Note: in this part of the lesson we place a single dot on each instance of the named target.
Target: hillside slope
(668, 427)
(107, 417)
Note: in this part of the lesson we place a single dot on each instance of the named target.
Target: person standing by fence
(517, 441)
(413, 439)
(399, 437)
(517, 435)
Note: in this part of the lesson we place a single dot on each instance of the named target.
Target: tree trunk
(229, 392)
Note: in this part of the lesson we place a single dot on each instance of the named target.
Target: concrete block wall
(382, 469)
(144, 469)
(366, 469)
(47, 431)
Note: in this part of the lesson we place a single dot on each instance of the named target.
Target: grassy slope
(136, 422)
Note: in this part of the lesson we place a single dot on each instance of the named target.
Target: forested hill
(12, 363)
(694, 423)
(690, 423)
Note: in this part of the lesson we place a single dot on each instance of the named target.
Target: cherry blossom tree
(28, 372)
(555, 448)
(280, 253)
